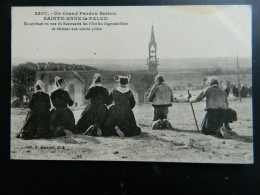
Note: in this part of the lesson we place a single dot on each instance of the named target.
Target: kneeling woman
(218, 111)
(94, 116)
(62, 117)
(38, 118)
(121, 119)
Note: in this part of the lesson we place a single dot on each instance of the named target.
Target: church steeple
(152, 61)
(152, 36)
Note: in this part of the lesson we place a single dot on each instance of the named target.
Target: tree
(23, 77)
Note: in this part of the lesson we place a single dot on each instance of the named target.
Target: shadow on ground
(236, 137)
(186, 131)
(243, 138)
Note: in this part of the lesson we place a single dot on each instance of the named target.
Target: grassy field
(185, 144)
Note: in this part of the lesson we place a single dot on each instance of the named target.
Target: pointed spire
(152, 36)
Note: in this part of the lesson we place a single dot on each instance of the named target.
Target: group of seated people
(110, 114)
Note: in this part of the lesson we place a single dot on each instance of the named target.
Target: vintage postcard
(132, 83)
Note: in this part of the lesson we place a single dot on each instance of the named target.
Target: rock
(116, 152)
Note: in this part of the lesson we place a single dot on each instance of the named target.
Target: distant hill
(140, 64)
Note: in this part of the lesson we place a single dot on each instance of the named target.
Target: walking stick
(193, 112)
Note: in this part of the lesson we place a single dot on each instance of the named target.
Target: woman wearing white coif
(62, 119)
(94, 116)
(37, 121)
(121, 120)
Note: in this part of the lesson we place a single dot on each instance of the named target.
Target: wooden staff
(193, 111)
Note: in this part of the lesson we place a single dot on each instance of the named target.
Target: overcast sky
(180, 32)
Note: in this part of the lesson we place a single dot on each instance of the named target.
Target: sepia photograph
(132, 83)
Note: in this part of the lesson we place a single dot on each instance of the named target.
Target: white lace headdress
(56, 84)
(39, 84)
(118, 77)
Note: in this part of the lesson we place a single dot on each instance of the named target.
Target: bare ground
(185, 144)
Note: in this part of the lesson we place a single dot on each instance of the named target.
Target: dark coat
(38, 118)
(96, 112)
(61, 114)
(121, 114)
(97, 95)
(61, 98)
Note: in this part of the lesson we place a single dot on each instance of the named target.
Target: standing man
(161, 98)
(216, 107)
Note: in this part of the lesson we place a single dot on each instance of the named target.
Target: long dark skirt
(62, 117)
(93, 114)
(215, 118)
(160, 112)
(123, 117)
(36, 125)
